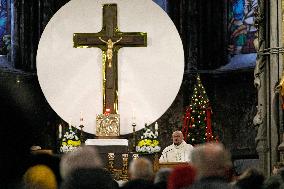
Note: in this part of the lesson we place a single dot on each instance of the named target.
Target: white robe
(180, 153)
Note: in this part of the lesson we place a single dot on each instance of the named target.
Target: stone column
(267, 74)
(275, 71)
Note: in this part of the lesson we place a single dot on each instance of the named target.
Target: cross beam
(110, 40)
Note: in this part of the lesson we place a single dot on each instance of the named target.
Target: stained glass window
(242, 32)
(5, 32)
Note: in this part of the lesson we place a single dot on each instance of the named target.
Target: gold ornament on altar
(107, 125)
(135, 156)
(111, 161)
(124, 175)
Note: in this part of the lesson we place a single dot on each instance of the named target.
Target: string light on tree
(197, 119)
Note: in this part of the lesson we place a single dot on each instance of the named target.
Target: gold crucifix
(109, 49)
(110, 40)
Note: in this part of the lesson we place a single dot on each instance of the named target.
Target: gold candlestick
(134, 137)
(81, 127)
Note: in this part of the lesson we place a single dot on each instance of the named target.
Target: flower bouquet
(70, 141)
(149, 142)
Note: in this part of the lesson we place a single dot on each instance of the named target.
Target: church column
(275, 70)
(259, 78)
(267, 74)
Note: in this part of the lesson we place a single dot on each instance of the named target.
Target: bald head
(211, 159)
(177, 137)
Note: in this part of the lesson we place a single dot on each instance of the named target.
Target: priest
(179, 151)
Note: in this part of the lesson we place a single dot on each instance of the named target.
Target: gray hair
(211, 159)
(83, 157)
(162, 175)
(141, 168)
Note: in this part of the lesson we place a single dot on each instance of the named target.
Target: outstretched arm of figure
(102, 40)
(118, 40)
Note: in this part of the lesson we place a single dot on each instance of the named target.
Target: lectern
(171, 164)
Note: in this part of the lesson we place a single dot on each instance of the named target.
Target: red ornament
(208, 124)
(186, 123)
(107, 112)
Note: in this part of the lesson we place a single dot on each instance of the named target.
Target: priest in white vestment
(179, 151)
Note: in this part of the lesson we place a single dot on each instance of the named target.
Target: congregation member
(213, 164)
(50, 160)
(250, 178)
(277, 168)
(276, 180)
(39, 177)
(83, 157)
(89, 178)
(140, 174)
(179, 151)
(182, 176)
(161, 177)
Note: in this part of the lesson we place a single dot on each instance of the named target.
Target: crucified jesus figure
(110, 44)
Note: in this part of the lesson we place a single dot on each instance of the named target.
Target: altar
(105, 147)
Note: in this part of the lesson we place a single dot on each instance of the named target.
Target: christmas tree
(197, 120)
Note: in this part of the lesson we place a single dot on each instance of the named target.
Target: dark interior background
(27, 119)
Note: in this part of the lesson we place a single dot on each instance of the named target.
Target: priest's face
(177, 138)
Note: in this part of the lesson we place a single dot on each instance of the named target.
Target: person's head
(177, 137)
(88, 178)
(162, 175)
(39, 176)
(50, 160)
(211, 159)
(182, 176)
(251, 178)
(141, 168)
(138, 184)
(276, 167)
(84, 157)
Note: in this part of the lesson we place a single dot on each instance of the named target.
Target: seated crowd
(210, 168)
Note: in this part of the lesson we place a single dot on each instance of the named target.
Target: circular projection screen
(149, 77)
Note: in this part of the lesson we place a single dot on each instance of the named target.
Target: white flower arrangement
(70, 141)
(71, 135)
(148, 149)
(149, 142)
(148, 134)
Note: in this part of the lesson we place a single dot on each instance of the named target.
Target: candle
(70, 128)
(81, 118)
(133, 117)
(156, 126)
(156, 129)
(59, 131)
